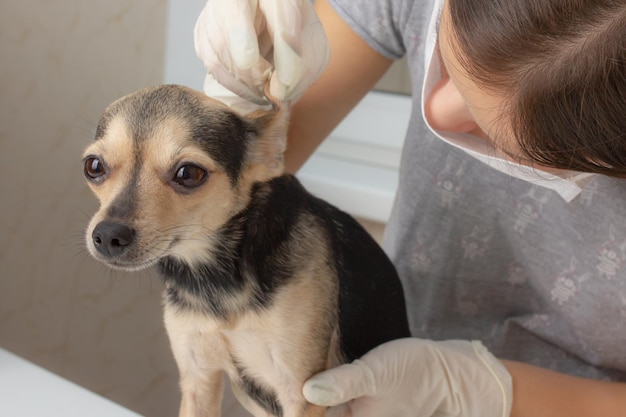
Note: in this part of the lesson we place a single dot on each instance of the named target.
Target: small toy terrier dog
(263, 281)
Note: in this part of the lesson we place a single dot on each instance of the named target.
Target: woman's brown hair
(562, 63)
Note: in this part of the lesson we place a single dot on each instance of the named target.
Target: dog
(262, 280)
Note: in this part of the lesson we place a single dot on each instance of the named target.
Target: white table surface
(27, 390)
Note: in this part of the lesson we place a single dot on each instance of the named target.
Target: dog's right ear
(270, 129)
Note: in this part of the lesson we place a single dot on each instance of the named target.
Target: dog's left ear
(270, 129)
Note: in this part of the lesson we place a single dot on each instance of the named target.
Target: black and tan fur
(263, 281)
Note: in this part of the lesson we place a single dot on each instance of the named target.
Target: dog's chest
(203, 344)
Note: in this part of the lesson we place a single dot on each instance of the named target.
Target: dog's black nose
(112, 239)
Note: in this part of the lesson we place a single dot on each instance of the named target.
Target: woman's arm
(538, 392)
(421, 378)
(354, 68)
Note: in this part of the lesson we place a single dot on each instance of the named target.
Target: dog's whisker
(81, 251)
(81, 211)
(182, 226)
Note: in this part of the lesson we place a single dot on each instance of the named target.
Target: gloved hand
(245, 43)
(417, 378)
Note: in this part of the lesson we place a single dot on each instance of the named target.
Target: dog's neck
(241, 272)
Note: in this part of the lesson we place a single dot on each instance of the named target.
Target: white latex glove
(245, 43)
(417, 378)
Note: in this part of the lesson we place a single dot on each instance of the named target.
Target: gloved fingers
(301, 50)
(208, 38)
(285, 26)
(241, 33)
(289, 68)
(226, 29)
(225, 39)
(246, 43)
(249, 85)
(243, 106)
(339, 385)
(295, 73)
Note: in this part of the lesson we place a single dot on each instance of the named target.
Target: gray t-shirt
(483, 255)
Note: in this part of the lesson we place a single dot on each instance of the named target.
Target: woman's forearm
(541, 393)
(353, 70)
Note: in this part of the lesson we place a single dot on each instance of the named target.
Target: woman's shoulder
(389, 26)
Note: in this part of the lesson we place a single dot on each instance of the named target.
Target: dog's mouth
(129, 266)
(130, 261)
(119, 246)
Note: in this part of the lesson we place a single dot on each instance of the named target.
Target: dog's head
(170, 166)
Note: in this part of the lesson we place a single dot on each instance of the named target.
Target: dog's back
(370, 300)
(369, 297)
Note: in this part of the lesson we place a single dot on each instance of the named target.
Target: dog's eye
(94, 168)
(190, 176)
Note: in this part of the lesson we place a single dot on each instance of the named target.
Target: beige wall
(61, 63)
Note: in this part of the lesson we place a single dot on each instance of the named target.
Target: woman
(508, 226)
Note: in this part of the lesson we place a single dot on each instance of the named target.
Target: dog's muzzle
(112, 239)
